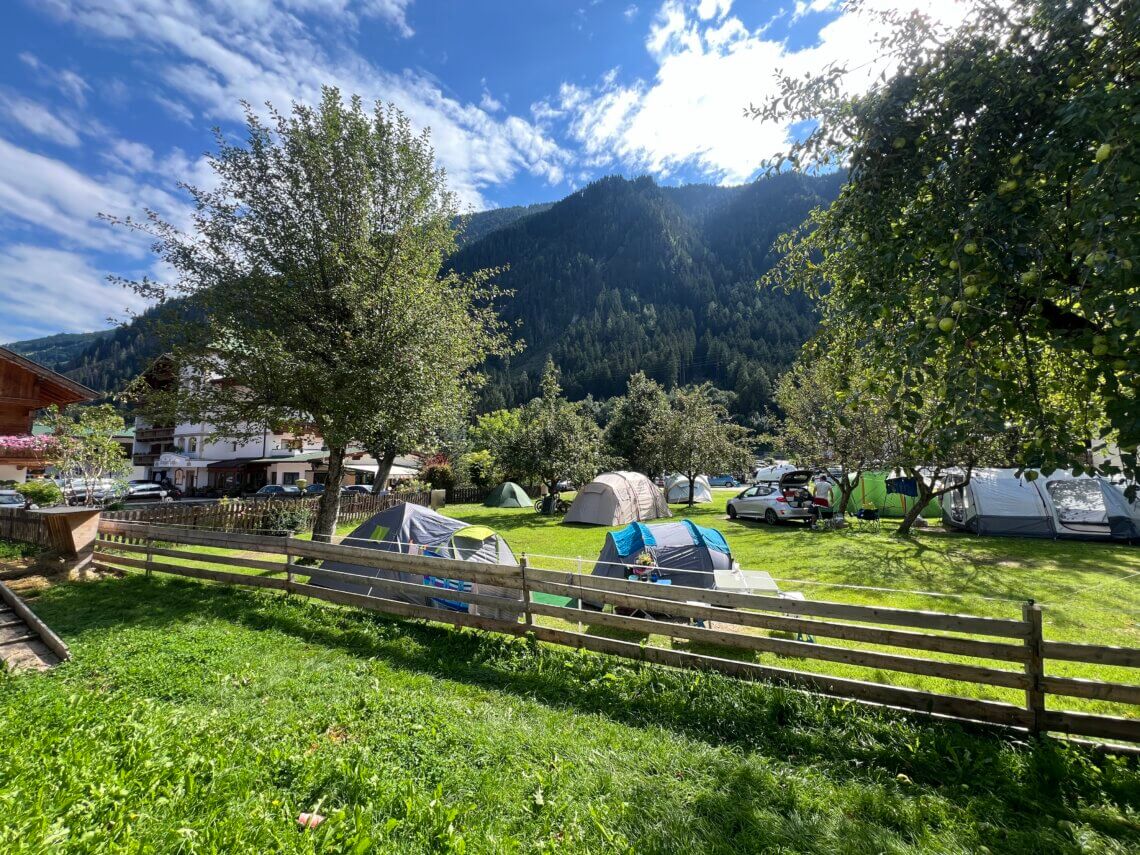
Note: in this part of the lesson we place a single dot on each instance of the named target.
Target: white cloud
(49, 195)
(710, 66)
(49, 290)
(630, 11)
(212, 57)
(65, 80)
(38, 119)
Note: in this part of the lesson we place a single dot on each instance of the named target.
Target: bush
(42, 493)
(481, 468)
(285, 517)
(439, 475)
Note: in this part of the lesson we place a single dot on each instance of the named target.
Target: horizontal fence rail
(718, 629)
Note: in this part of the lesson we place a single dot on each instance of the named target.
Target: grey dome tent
(618, 498)
(683, 552)
(1060, 505)
(415, 530)
(508, 495)
(677, 489)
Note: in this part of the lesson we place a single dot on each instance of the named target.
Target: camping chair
(871, 517)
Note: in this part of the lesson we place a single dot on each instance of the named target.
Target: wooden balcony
(155, 434)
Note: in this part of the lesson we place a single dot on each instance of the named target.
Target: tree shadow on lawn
(1011, 783)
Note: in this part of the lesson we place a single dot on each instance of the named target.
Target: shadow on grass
(1011, 784)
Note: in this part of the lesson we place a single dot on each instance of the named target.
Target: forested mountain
(626, 276)
(475, 226)
(619, 277)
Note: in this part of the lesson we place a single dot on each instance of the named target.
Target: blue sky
(106, 104)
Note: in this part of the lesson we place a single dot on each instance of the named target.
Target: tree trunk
(846, 491)
(384, 459)
(692, 490)
(328, 509)
(925, 494)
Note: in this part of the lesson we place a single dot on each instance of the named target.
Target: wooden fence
(18, 524)
(253, 515)
(1010, 653)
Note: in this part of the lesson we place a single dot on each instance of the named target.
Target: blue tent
(682, 552)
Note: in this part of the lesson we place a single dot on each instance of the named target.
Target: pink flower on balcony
(28, 445)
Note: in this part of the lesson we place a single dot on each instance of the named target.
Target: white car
(776, 501)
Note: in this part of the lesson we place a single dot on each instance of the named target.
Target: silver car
(776, 501)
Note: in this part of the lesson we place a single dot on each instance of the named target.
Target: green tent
(872, 490)
(508, 495)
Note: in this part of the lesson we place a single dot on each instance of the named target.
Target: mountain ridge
(620, 276)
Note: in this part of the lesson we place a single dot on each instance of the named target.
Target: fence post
(149, 553)
(289, 563)
(1034, 665)
(526, 592)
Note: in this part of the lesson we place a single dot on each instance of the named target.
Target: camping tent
(416, 530)
(617, 498)
(997, 501)
(508, 495)
(677, 489)
(683, 552)
(872, 490)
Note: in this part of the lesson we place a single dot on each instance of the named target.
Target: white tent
(997, 501)
(677, 489)
(618, 498)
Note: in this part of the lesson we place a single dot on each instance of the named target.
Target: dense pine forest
(619, 277)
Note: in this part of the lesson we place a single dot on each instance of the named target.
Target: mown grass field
(1085, 588)
(201, 718)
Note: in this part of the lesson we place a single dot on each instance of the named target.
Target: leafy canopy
(313, 290)
(556, 439)
(986, 243)
(694, 435)
(643, 402)
(86, 448)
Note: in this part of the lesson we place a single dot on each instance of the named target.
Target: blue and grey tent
(415, 530)
(683, 553)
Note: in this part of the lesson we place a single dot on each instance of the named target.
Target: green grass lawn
(201, 718)
(1083, 586)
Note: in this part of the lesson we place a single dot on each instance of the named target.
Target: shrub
(439, 475)
(285, 517)
(42, 493)
(481, 468)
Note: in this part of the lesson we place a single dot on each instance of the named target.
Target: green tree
(497, 433)
(86, 448)
(694, 435)
(643, 402)
(312, 287)
(828, 419)
(557, 440)
(990, 220)
(481, 468)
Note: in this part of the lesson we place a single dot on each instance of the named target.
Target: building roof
(54, 388)
(293, 458)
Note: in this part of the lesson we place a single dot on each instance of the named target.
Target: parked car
(147, 491)
(278, 490)
(723, 481)
(12, 499)
(566, 486)
(776, 501)
(314, 489)
(359, 489)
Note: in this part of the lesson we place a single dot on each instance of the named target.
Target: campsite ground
(1087, 589)
(201, 718)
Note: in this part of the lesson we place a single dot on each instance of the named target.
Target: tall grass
(197, 718)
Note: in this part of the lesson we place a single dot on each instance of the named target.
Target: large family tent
(617, 498)
(998, 502)
(416, 530)
(508, 495)
(677, 489)
(871, 491)
(683, 552)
